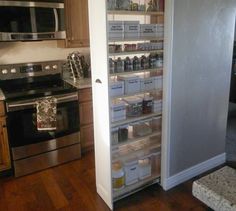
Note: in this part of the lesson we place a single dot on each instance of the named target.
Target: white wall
(20, 52)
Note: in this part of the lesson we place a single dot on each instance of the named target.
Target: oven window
(22, 127)
(15, 19)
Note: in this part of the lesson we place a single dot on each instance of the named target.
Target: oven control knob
(4, 71)
(54, 67)
(13, 70)
(47, 67)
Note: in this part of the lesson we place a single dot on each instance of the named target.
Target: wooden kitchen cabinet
(86, 119)
(5, 161)
(77, 26)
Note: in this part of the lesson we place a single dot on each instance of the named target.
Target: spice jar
(159, 61)
(152, 61)
(111, 65)
(114, 136)
(119, 65)
(118, 176)
(136, 63)
(128, 66)
(144, 62)
(147, 104)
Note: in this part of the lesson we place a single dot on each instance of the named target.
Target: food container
(152, 61)
(113, 48)
(128, 64)
(118, 111)
(118, 176)
(145, 168)
(147, 104)
(131, 83)
(116, 88)
(131, 171)
(119, 68)
(142, 128)
(131, 29)
(130, 47)
(156, 124)
(156, 163)
(159, 61)
(111, 65)
(136, 63)
(146, 84)
(148, 30)
(158, 82)
(114, 136)
(116, 29)
(144, 62)
(123, 133)
(157, 106)
(134, 106)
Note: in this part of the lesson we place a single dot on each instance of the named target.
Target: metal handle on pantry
(98, 81)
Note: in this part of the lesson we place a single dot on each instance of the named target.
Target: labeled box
(131, 83)
(131, 29)
(118, 111)
(116, 29)
(148, 30)
(116, 88)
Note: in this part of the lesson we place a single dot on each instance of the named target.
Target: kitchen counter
(2, 97)
(218, 189)
(80, 84)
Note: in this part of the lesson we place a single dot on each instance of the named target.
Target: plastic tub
(134, 106)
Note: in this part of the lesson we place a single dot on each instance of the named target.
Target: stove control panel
(24, 70)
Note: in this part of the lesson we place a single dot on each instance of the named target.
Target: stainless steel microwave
(28, 20)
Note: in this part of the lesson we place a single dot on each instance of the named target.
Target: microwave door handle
(56, 20)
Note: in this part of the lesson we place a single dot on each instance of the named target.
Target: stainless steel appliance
(31, 149)
(29, 20)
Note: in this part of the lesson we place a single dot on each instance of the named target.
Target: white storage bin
(118, 111)
(131, 29)
(116, 88)
(146, 84)
(157, 106)
(145, 168)
(148, 30)
(116, 29)
(131, 83)
(131, 172)
(158, 82)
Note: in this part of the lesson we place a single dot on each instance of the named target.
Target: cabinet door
(77, 26)
(86, 113)
(5, 162)
(86, 137)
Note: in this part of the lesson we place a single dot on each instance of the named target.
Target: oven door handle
(21, 105)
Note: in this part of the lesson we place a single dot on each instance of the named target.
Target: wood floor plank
(72, 187)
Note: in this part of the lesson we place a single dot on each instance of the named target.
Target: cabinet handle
(98, 81)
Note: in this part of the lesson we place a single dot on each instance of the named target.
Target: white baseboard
(193, 171)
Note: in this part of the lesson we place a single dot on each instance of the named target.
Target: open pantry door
(99, 65)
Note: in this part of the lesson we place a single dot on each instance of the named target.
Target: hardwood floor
(72, 187)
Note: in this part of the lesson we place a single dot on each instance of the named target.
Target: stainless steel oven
(34, 149)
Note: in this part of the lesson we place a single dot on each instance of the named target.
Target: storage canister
(131, 172)
(116, 29)
(142, 128)
(118, 176)
(123, 133)
(156, 163)
(157, 106)
(118, 111)
(158, 82)
(156, 123)
(134, 106)
(117, 88)
(145, 168)
(132, 83)
(131, 29)
(147, 104)
(147, 84)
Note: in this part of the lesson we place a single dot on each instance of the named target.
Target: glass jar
(119, 65)
(123, 133)
(118, 176)
(136, 64)
(144, 62)
(147, 104)
(134, 106)
(128, 65)
(112, 65)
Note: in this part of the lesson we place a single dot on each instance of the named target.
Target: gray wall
(202, 55)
